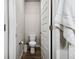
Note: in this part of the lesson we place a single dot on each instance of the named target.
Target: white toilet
(32, 43)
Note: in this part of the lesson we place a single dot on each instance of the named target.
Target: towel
(69, 21)
(69, 26)
(65, 16)
(59, 14)
(65, 21)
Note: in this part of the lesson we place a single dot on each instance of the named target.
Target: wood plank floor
(37, 54)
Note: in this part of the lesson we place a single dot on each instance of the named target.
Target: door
(6, 37)
(45, 32)
(16, 13)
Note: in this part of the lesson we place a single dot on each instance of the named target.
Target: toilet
(32, 43)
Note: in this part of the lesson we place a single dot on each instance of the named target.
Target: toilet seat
(32, 43)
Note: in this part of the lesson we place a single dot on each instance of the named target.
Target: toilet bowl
(32, 43)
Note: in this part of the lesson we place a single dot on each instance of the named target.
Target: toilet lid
(32, 42)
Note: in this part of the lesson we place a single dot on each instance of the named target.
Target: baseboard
(21, 54)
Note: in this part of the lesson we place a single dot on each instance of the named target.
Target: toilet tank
(32, 37)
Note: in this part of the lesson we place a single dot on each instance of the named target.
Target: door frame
(6, 30)
(51, 33)
(12, 29)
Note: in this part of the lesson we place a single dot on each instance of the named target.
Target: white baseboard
(21, 54)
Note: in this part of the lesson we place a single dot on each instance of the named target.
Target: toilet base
(32, 50)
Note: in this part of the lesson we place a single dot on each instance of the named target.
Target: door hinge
(50, 27)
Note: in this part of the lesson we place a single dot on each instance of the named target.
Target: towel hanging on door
(65, 16)
(65, 21)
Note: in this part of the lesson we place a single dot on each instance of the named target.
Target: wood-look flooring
(37, 54)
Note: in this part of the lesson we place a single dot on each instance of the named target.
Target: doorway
(33, 17)
(27, 16)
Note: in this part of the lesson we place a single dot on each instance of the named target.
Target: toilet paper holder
(21, 43)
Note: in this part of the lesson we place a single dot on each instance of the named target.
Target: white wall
(32, 19)
(19, 26)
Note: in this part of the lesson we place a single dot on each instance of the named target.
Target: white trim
(6, 34)
(12, 29)
(49, 6)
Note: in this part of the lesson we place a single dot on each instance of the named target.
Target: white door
(16, 17)
(6, 30)
(45, 32)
